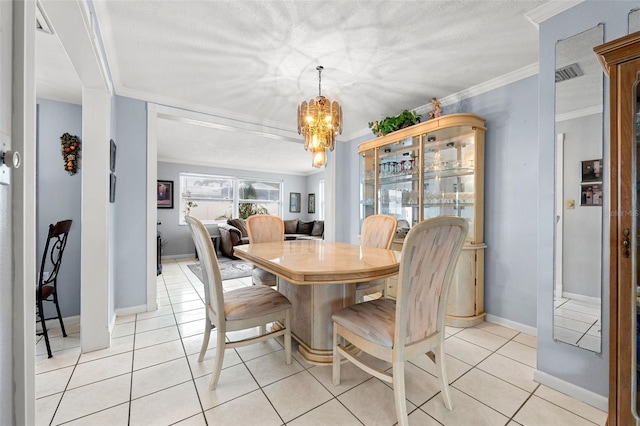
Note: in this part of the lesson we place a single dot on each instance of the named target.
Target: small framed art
(165, 194)
(311, 208)
(294, 202)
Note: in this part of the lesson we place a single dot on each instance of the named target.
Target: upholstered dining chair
(377, 231)
(413, 324)
(238, 309)
(264, 228)
(47, 289)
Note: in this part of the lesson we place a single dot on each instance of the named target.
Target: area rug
(229, 269)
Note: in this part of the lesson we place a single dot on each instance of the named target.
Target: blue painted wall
(58, 196)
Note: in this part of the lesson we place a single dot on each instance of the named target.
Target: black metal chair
(48, 277)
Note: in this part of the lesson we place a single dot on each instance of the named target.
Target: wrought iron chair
(413, 324)
(47, 289)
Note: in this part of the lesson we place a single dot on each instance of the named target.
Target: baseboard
(581, 394)
(527, 329)
(131, 310)
(582, 298)
(178, 256)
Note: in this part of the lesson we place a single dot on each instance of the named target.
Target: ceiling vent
(42, 23)
(568, 72)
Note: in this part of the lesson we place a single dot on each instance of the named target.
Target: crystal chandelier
(320, 121)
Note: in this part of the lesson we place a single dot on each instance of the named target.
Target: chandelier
(320, 121)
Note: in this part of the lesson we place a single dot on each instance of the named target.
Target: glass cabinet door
(368, 183)
(449, 174)
(399, 181)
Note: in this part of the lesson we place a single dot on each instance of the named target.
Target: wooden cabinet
(427, 170)
(621, 61)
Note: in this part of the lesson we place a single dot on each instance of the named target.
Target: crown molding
(548, 10)
(597, 109)
(226, 167)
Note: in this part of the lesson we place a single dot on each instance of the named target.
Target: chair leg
(55, 301)
(205, 339)
(287, 336)
(399, 393)
(442, 375)
(336, 356)
(44, 327)
(217, 364)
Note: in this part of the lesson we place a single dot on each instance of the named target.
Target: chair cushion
(318, 228)
(290, 226)
(240, 224)
(47, 290)
(373, 320)
(261, 277)
(254, 301)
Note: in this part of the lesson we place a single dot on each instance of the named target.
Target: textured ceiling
(254, 61)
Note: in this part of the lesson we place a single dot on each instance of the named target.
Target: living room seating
(47, 289)
(238, 309)
(235, 232)
(399, 330)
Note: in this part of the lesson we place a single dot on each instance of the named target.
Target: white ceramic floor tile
(149, 324)
(537, 412)
(92, 398)
(465, 351)
(192, 344)
(455, 367)
(466, 411)
(197, 420)
(330, 413)
(566, 335)
(61, 359)
(571, 324)
(497, 329)
(261, 349)
(157, 354)
(235, 412)
(272, 367)
(199, 369)
(350, 376)
(100, 369)
(118, 345)
(161, 311)
(577, 407)
(296, 395)
(519, 352)
(52, 382)
(193, 315)
(372, 402)
(514, 372)
(191, 328)
(123, 329)
(154, 337)
(121, 319)
(160, 376)
(118, 415)
(482, 338)
(420, 386)
(166, 406)
(492, 391)
(187, 306)
(526, 339)
(234, 382)
(579, 316)
(58, 344)
(45, 408)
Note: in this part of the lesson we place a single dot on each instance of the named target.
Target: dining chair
(264, 228)
(399, 330)
(238, 309)
(47, 288)
(377, 231)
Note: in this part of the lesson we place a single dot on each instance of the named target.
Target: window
(213, 198)
(320, 200)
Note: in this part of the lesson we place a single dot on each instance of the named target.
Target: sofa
(234, 233)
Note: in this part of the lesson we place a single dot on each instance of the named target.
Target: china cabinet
(621, 60)
(426, 170)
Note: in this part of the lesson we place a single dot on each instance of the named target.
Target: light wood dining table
(319, 278)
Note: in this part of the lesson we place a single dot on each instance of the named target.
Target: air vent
(42, 23)
(568, 72)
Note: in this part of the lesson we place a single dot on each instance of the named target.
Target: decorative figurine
(436, 109)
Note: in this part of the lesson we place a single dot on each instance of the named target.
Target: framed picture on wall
(592, 170)
(312, 203)
(165, 194)
(112, 156)
(294, 202)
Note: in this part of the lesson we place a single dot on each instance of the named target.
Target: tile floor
(577, 322)
(150, 376)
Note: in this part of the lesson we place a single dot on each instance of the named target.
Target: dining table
(319, 278)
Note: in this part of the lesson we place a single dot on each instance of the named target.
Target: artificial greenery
(70, 152)
(391, 124)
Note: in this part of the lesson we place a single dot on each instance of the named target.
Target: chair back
(378, 231)
(209, 268)
(429, 256)
(53, 250)
(265, 228)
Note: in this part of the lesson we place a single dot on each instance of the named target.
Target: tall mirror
(579, 191)
(634, 21)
